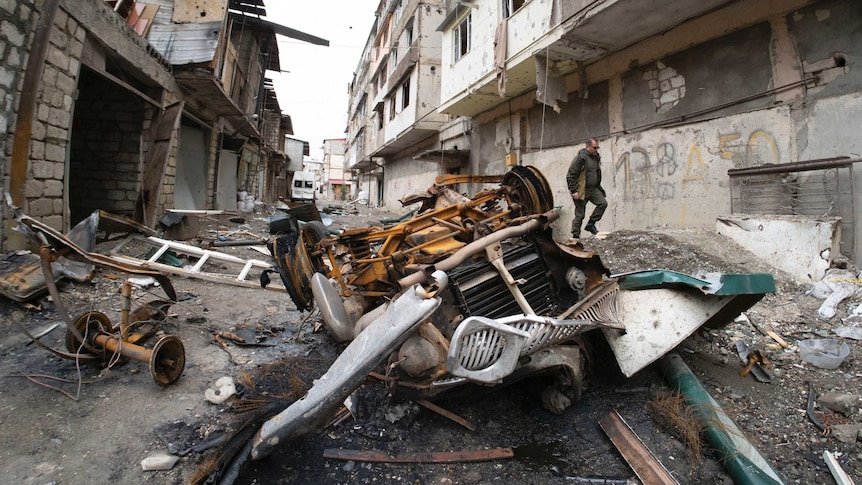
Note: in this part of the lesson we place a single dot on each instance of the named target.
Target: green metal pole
(741, 459)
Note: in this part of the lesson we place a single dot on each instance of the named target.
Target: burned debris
(476, 291)
(459, 297)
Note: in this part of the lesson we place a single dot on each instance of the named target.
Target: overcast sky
(314, 91)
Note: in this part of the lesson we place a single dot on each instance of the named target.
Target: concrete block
(801, 246)
(671, 96)
(666, 73)
(66, 84)
(55, 153)
(33, 189)
(11, 32)
(58, 58)
(59, 171)
(13, 59)
(677, 81)
(8, 6)
(41, 207)
(43, 111)
(41, 169)
(53, 188)
(55, 221)
(37, 150)
(40, 131)
(58, 206)
(124, 206)
(7, 78)
(59, 118)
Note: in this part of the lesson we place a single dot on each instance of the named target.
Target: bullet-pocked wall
(777, 91)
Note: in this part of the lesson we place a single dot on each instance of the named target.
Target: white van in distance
(303, 187)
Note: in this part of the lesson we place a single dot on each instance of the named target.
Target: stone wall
(16, 21)
(106, 154)
(52, 122)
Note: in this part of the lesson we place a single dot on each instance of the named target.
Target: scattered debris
(647, 468)
(419, 457)
(741, 459)
(224, 388)
(839, 402)
(754, 362)
(446, 414)
(42, 333)
(466, 250)
(823, 353)
(836, 286)
(672, 414)
(835, 468)
(809, 409)
(159, 461)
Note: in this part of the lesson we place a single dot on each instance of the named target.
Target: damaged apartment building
(704, 109)
(138, 107)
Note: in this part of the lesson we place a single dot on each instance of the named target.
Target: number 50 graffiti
(638, 170)
(761, 145)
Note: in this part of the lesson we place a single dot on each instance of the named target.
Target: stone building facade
(98, 113)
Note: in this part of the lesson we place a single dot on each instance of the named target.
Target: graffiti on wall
(662, 171)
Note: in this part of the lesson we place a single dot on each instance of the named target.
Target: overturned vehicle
(476, 291)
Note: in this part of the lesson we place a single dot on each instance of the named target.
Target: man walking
(584, 179)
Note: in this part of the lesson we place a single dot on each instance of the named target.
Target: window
(462, 38)
(511, 6)
(394, 58)
(408, 33)
(378, 111)
(405, 93)
(392, 106)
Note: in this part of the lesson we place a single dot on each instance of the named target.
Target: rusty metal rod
(29, 99)
(802, 166)
(479, 245)
(115, 345)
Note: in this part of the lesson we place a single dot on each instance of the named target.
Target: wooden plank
(420, 456)
(446, 414)
(647, 468)
(148, 15)
(164, 130)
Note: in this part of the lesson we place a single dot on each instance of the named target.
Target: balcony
(582, 32)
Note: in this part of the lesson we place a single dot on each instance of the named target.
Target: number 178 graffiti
(638, 169)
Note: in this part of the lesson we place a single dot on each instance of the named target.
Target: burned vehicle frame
(476, 290)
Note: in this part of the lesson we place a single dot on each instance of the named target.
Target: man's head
(593, 145)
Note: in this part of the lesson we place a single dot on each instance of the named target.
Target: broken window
(378, 110)
(511, 6)
(405, 93)
(462, 38)
(408, 33)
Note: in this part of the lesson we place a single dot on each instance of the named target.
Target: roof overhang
(282, 30)
(586, 36)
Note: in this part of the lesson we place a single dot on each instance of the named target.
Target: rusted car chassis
(476, 290)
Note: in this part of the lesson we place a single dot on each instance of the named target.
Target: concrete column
(786, 66)
(615, 103)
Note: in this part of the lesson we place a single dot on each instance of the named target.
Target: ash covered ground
(120, 416)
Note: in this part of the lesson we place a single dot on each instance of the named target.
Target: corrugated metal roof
(186, 43)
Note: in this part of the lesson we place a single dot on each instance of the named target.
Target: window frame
(462, 42)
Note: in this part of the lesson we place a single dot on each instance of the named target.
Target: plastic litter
(825, 353)
(224, 389)
(159, 461)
